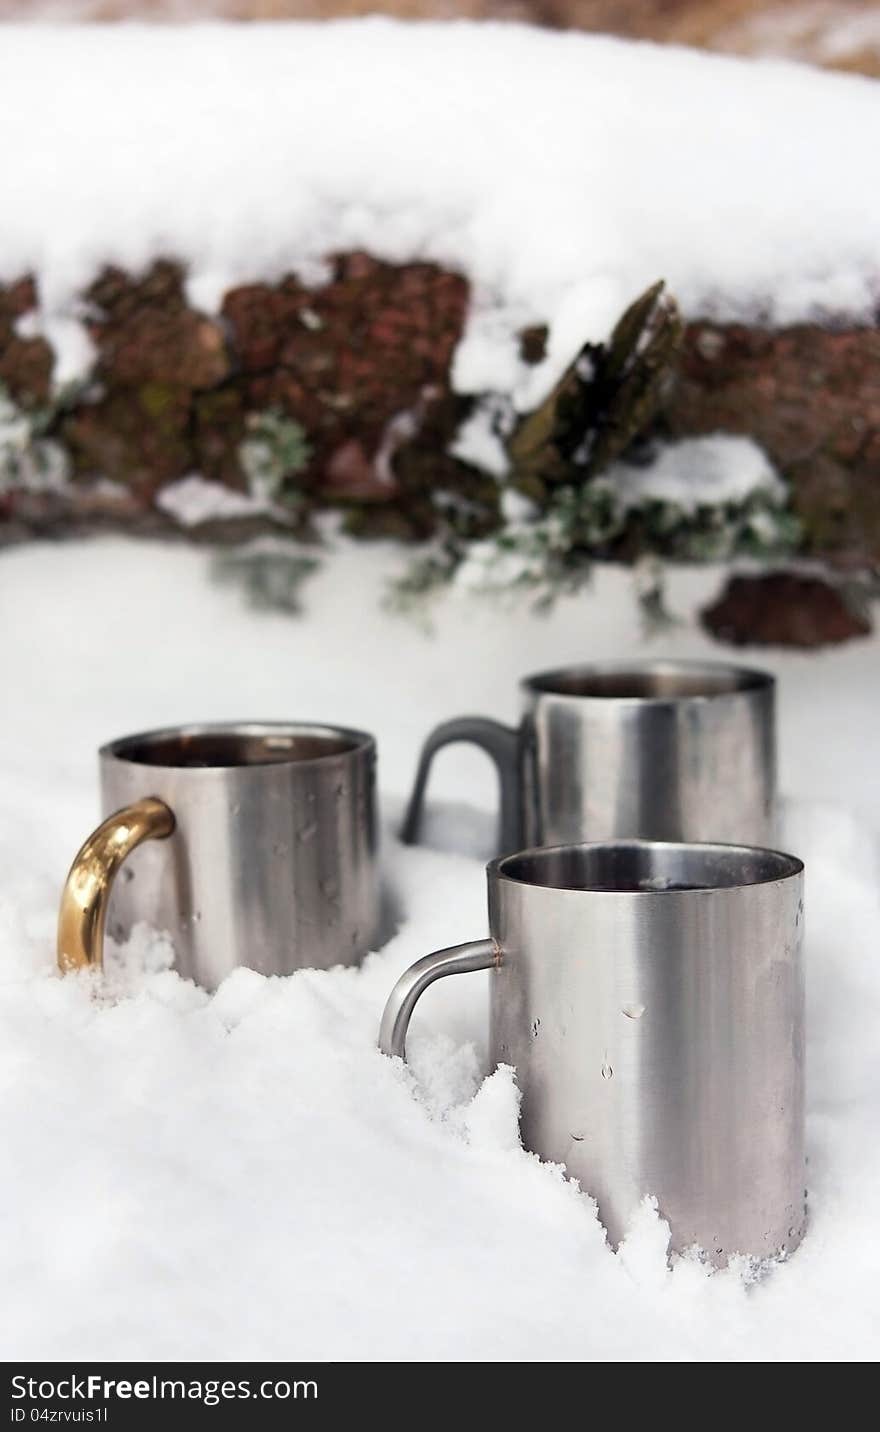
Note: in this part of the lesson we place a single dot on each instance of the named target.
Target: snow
(72, 348)
(480, 439)
(561, 172)
(194, 499)
(244, 1175)
(699, 472)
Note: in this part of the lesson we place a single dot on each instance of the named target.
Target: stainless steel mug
(263, 849)
(651, 999)
(661, 750)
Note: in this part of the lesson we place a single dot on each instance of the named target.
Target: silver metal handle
(456, 960)
(498, 741)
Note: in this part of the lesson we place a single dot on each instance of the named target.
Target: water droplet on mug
(197, 915)
(792, 1232)
(340, 792)
(655, 882)
(633, 1011)
(607, 1071)
(308, 832)
(578, 1138)
(536, 1025)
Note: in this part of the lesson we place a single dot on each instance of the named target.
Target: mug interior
(650, 867)
(188, 747)
(646, 681)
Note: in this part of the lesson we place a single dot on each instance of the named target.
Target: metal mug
(261, 849)
(660, 750)
(651, 998)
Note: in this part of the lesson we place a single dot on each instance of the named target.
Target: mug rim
(746, 679)
(792, 865)
(357, 742)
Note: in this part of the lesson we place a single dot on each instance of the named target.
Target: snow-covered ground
(562, 173)
(244, 1176)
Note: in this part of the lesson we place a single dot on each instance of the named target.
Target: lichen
(28, 459)
(272, 453)
(544, 554)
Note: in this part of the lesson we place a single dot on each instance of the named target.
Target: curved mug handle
(87, 889)
(498, 741)
(456, 960)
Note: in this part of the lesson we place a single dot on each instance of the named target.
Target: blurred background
(843, 35)
(287, 404)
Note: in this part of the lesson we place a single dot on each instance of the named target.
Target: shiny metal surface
(651, 999)
(83, 911)
(273, 861)
(455, 960)
(663, 750)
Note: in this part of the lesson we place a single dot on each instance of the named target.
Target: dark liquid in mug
(233, 748)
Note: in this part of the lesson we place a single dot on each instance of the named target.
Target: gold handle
(87, 888)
